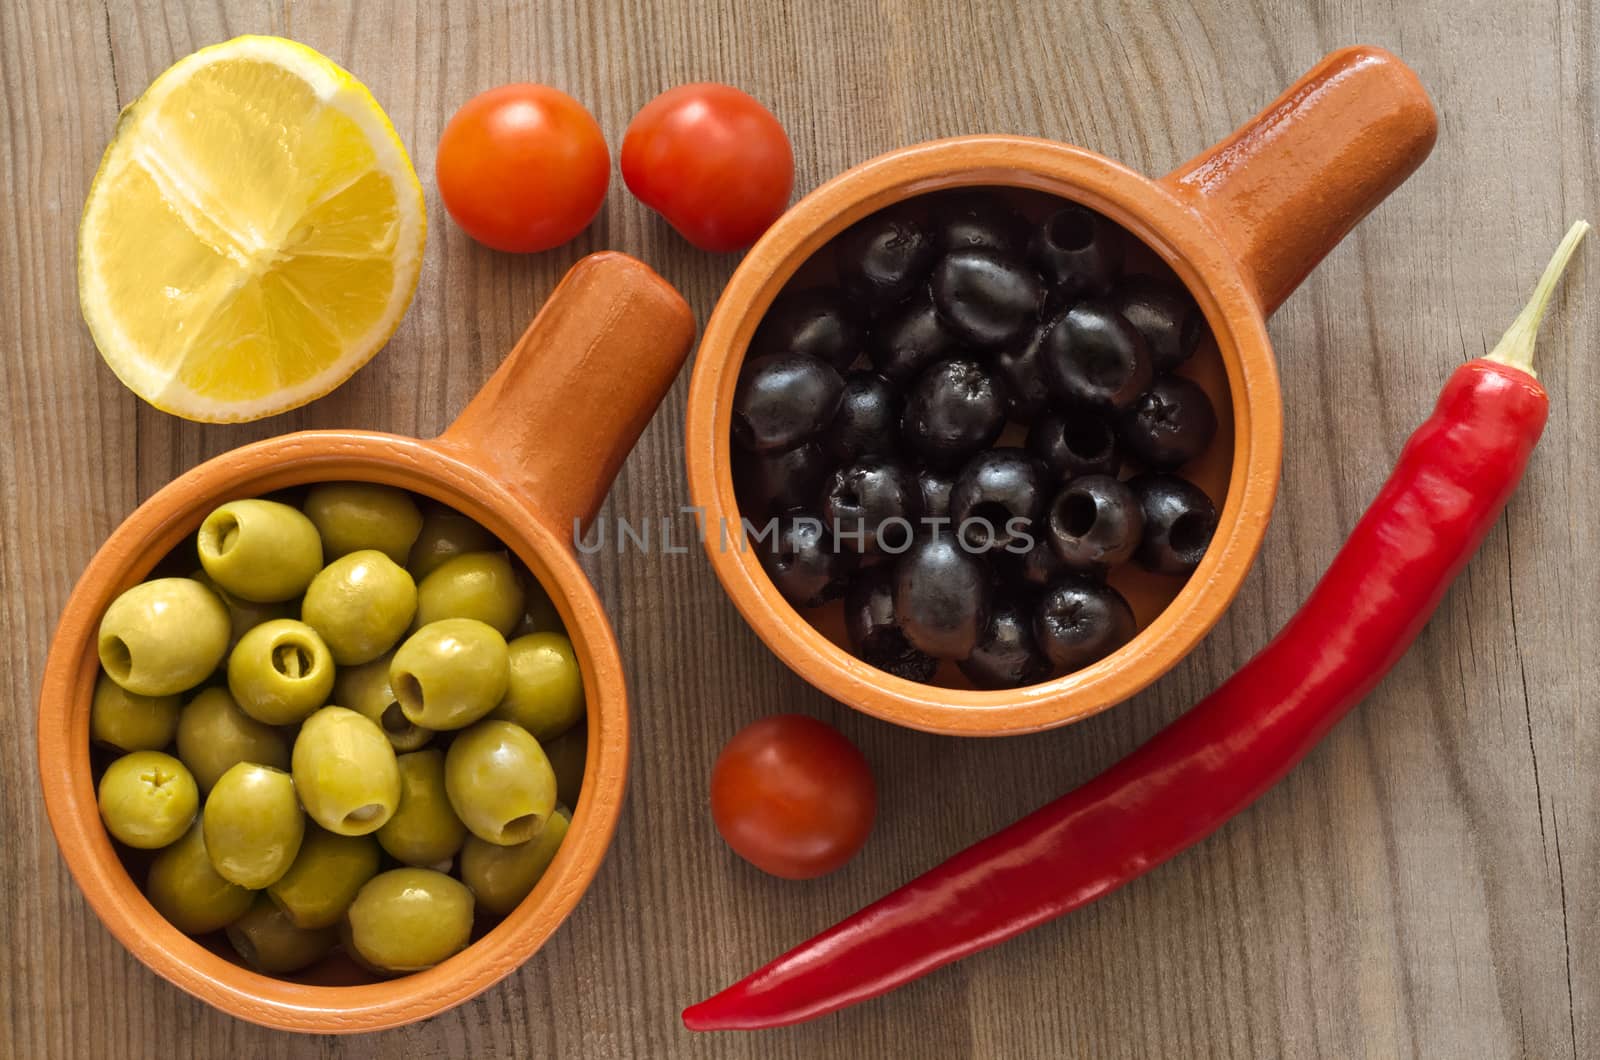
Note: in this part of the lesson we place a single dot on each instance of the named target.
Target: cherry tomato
(711, 160)
(792, 796)
(523, 167)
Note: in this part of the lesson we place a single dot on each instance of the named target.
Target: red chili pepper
(1448, 488)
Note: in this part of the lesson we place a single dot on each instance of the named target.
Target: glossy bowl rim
(432, 469)
(1182, 237)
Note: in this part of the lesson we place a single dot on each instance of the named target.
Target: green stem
(1515, 347)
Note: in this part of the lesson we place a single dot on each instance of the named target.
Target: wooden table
(1424, 885)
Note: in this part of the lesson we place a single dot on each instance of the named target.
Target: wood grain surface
(1424, 885)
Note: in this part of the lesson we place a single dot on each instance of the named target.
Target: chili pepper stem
(1515, 347)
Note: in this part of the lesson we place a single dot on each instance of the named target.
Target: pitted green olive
(270, 942)
(325, 876)
(545, 693)
(361, 604)
(129, 722)
(501, 877)
(568, 754)
(446, 533)
(499, 782)
(365, 690)
(259, 550)
(450, 673)
(214, 735)
(280, 672)
(148, 799)
(164, 636)
(253, 825)
(480, 585)
(345, 772)
(352, 516)
(405, 920)
(424, 830)
(186, 890)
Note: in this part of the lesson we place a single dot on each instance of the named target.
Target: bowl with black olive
(991, 425)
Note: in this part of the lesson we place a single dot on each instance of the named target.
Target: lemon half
(253, 235)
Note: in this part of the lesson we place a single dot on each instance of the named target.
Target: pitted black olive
(965, 219)
(1179, 520)
(986, 297)
(1079, 252)
(1007, 656)
(1093, 356)
(769, 483)
(941, 596)
(799, 556)
(784, 399)
(874, 631)
(998, 498)
(861, 500)
(885, 257)
(1165, 314)
(1079, 622)
(819, 321)
(868, 420)
(1075, 441)
(1095, 523)
(1168, 425)
(953, 410)
(909, 339)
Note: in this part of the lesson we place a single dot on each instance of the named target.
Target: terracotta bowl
(1240, 226)
(531, 457)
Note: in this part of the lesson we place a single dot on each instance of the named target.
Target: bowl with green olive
(301, 692)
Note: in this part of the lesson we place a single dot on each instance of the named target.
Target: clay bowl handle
(560, 414)
(1292, 181)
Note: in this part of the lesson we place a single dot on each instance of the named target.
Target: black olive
(776, 482)
(783, 399)
(799, 556)
(1095, 523)
(954, 409)
(1079, 622)
(1169, 424)
(1079, 251)
(941, 597)
(1179, 520)
(1093, 356)
(1039, 566)
(1075, 441)
(964, 219)
(874, 631)
(1022, 372)
(986, 297)
(1007, 656)
(998, 498)
(819, 321)
(909, 339)
(1165, 314)
(936, 487)
(862, 498)
(868, 420)
(885, 257)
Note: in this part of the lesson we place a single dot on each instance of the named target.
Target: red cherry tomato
(523, 167)
(792, 796)
(711, 160)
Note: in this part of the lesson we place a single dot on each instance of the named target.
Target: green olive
(214, 735)
(148, 799)
(545, 693)
(186, 890)
(539, 614)
(361, 604)
(164, 636)
(365, 690)
(129, 722)
(450, 673)
(280, 672)
(245, 615)
(253, 825)
(478, 585)
(260, 550)
(325, 877)
(352, 516)
(424, 829)
(567, 754)
(499, 782)
(501, 877)
(345, 772)
(446, 533)
(405, 920)
(270, 942)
